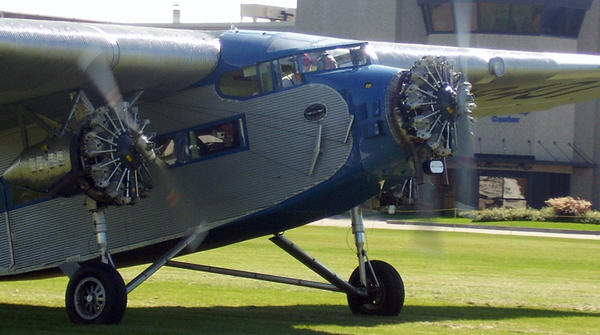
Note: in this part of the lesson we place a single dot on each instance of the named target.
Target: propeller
(115, 148)
(465, 174)
(433, 114)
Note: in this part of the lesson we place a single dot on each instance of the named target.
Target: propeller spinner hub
(446, 102)
(127, 151)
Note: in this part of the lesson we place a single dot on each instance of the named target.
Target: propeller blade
(463, 16)
(98, 70)
(464, 177)
(95, 65)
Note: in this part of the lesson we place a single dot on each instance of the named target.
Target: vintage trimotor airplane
(249, 134)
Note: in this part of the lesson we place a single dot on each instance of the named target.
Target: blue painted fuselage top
(374, 155)
(363, 87)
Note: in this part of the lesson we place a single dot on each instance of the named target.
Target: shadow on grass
(22, 319)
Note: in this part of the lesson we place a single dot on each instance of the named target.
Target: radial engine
(426, 103)
(102, 152)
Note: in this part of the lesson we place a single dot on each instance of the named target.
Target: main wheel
(385, 299)
(96, 294)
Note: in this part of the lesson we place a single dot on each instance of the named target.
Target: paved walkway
(374, 222)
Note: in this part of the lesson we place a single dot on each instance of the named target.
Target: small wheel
(387, 299)
(96, 294)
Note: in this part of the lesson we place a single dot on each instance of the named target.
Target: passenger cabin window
(203, 142)
(286, 72)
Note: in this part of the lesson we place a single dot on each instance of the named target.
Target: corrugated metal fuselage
(266, 186)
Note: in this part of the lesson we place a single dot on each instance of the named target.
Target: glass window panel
(515, 188)
(217, 138)
(266, 78)
(288, 72)
(240, 83)
(441, 17)
(563, 21)
(527, 18)
(174, 149)
(462, 11)
(490, 187)
(489, 203)
(511, 203)
(494, 17)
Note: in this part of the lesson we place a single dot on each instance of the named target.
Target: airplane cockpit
(288, 71)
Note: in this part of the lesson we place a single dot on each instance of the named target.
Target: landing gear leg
(383, 283)
(96, 291)
(100, 230)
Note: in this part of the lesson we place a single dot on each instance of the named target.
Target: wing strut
(195, 238)
(374, 288)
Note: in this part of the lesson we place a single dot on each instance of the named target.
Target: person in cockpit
(326, 62)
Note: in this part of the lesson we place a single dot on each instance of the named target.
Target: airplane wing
(508, 82)
(43, 57)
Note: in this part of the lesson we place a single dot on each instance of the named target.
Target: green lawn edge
(467, 221)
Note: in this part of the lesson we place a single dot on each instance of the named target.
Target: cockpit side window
(286, 72)
(333, 59)
(240, 83)
(266, 77)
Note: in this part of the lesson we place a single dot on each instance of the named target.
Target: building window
(203, 142)
(442, 20)
(505, 192)
(562, 18)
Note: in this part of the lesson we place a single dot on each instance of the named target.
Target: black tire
(387, 299)
(96, 294)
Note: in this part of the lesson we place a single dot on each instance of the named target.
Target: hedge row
(564, 209)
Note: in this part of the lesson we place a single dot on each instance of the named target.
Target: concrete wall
(373, 20)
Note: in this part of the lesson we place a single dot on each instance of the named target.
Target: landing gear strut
(96, 291)
(374, 288)
(382, 283)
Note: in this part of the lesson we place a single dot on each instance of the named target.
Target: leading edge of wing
(506, 81)
(43, 57)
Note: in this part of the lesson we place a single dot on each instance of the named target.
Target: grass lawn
(463, 221)
(525, 224)
(456, 284)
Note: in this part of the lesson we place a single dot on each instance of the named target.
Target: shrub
(503, 214)
(569, 206)
(529, 214)
(592, 217)
(548, 214)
